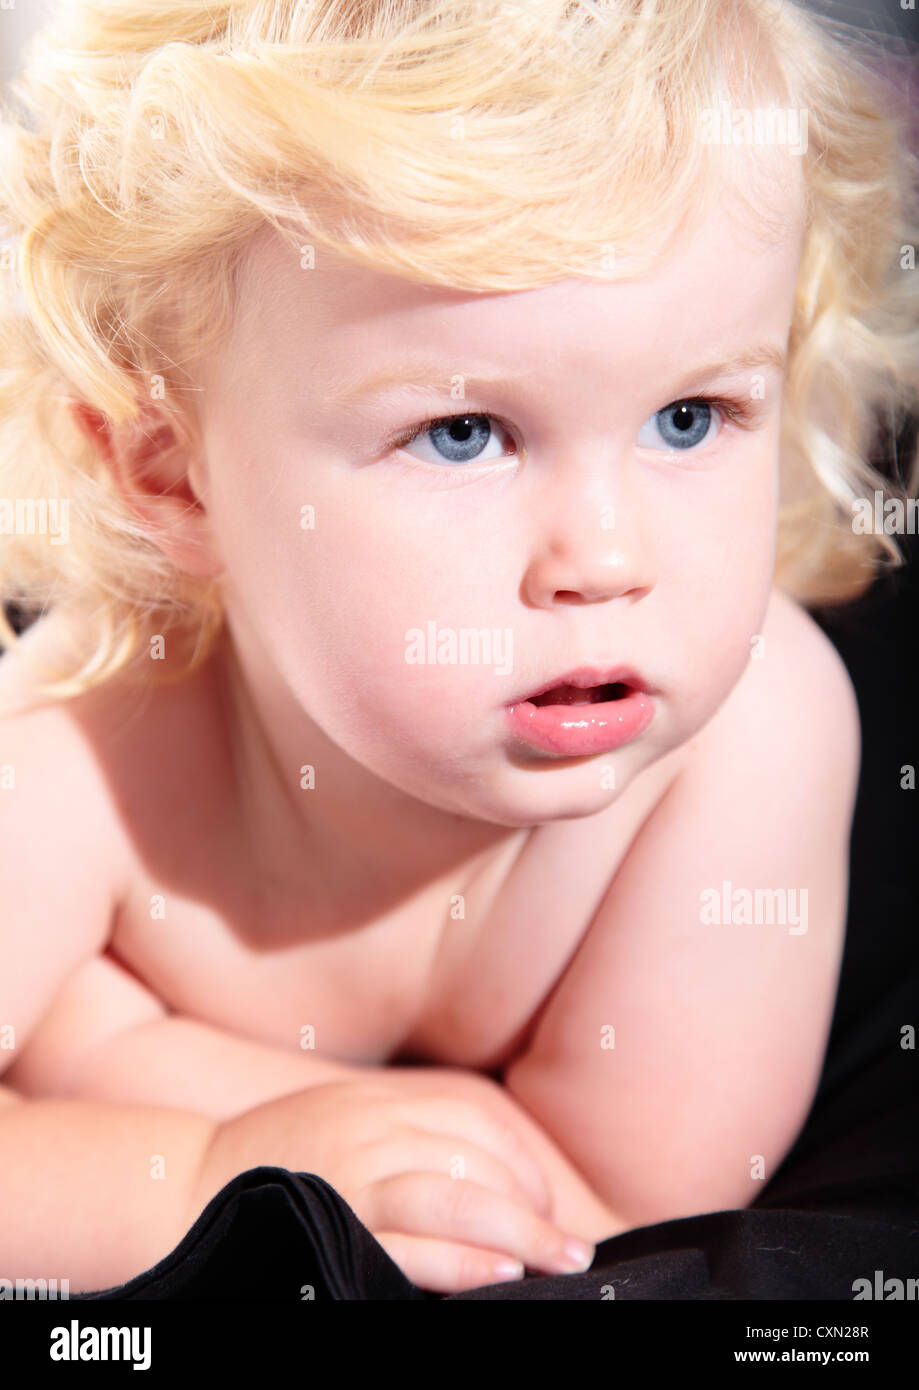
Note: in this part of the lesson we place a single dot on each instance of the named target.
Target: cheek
(717, 576)
(357, 612)
(729, 525)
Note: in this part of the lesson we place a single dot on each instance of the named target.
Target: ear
(155, 472)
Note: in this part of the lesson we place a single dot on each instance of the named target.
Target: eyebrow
(434, 378)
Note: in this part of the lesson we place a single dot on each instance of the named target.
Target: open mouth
(576, 695)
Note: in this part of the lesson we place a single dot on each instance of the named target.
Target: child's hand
(447, 1187)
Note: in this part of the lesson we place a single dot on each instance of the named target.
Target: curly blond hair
(466, 143)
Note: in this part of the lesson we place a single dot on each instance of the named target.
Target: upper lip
(586, 676)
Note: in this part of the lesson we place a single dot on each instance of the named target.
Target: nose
(591, 547)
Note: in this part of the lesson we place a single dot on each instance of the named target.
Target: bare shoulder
(801, 645)
(63, 853)
(48, 749)
(794, 708)
(132, 771)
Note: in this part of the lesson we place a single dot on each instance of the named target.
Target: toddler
(423, 428)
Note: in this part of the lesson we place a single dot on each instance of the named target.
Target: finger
(414, 1150)
(458, 1118)
(444, 1267)
(426, 1204)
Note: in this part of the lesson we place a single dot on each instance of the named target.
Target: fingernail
(578, 1255)
(508, 1269)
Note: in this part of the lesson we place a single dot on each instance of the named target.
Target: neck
(353, 846)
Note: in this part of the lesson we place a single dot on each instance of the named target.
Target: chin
(545, 800)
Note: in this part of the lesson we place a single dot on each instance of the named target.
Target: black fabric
(275, 1236)
(843, 1204)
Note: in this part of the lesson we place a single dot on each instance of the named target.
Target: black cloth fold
(274, 1236)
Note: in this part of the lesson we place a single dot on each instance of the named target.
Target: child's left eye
(683, 425)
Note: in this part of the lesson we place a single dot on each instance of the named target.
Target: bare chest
(458, 980)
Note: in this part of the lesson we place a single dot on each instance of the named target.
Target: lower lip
(576, 730)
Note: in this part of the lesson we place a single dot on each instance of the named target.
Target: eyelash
(736, 409)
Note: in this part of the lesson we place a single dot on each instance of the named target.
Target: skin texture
(421, 788)
(420, 778)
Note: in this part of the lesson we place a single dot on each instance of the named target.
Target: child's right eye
(455, 440)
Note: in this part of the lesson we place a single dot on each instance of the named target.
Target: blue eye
(682, 425)
(456, 439)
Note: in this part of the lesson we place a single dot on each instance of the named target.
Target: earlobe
(151, 469)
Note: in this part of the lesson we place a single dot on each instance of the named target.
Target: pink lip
(577, 730)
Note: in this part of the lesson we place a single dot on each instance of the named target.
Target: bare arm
(185, 1063)
(93, 1193)
(716, 1020)
(178, 1061)
(110, 1038)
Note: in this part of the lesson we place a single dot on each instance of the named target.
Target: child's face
(609, 542)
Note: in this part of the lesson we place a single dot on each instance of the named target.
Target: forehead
(731, 260)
